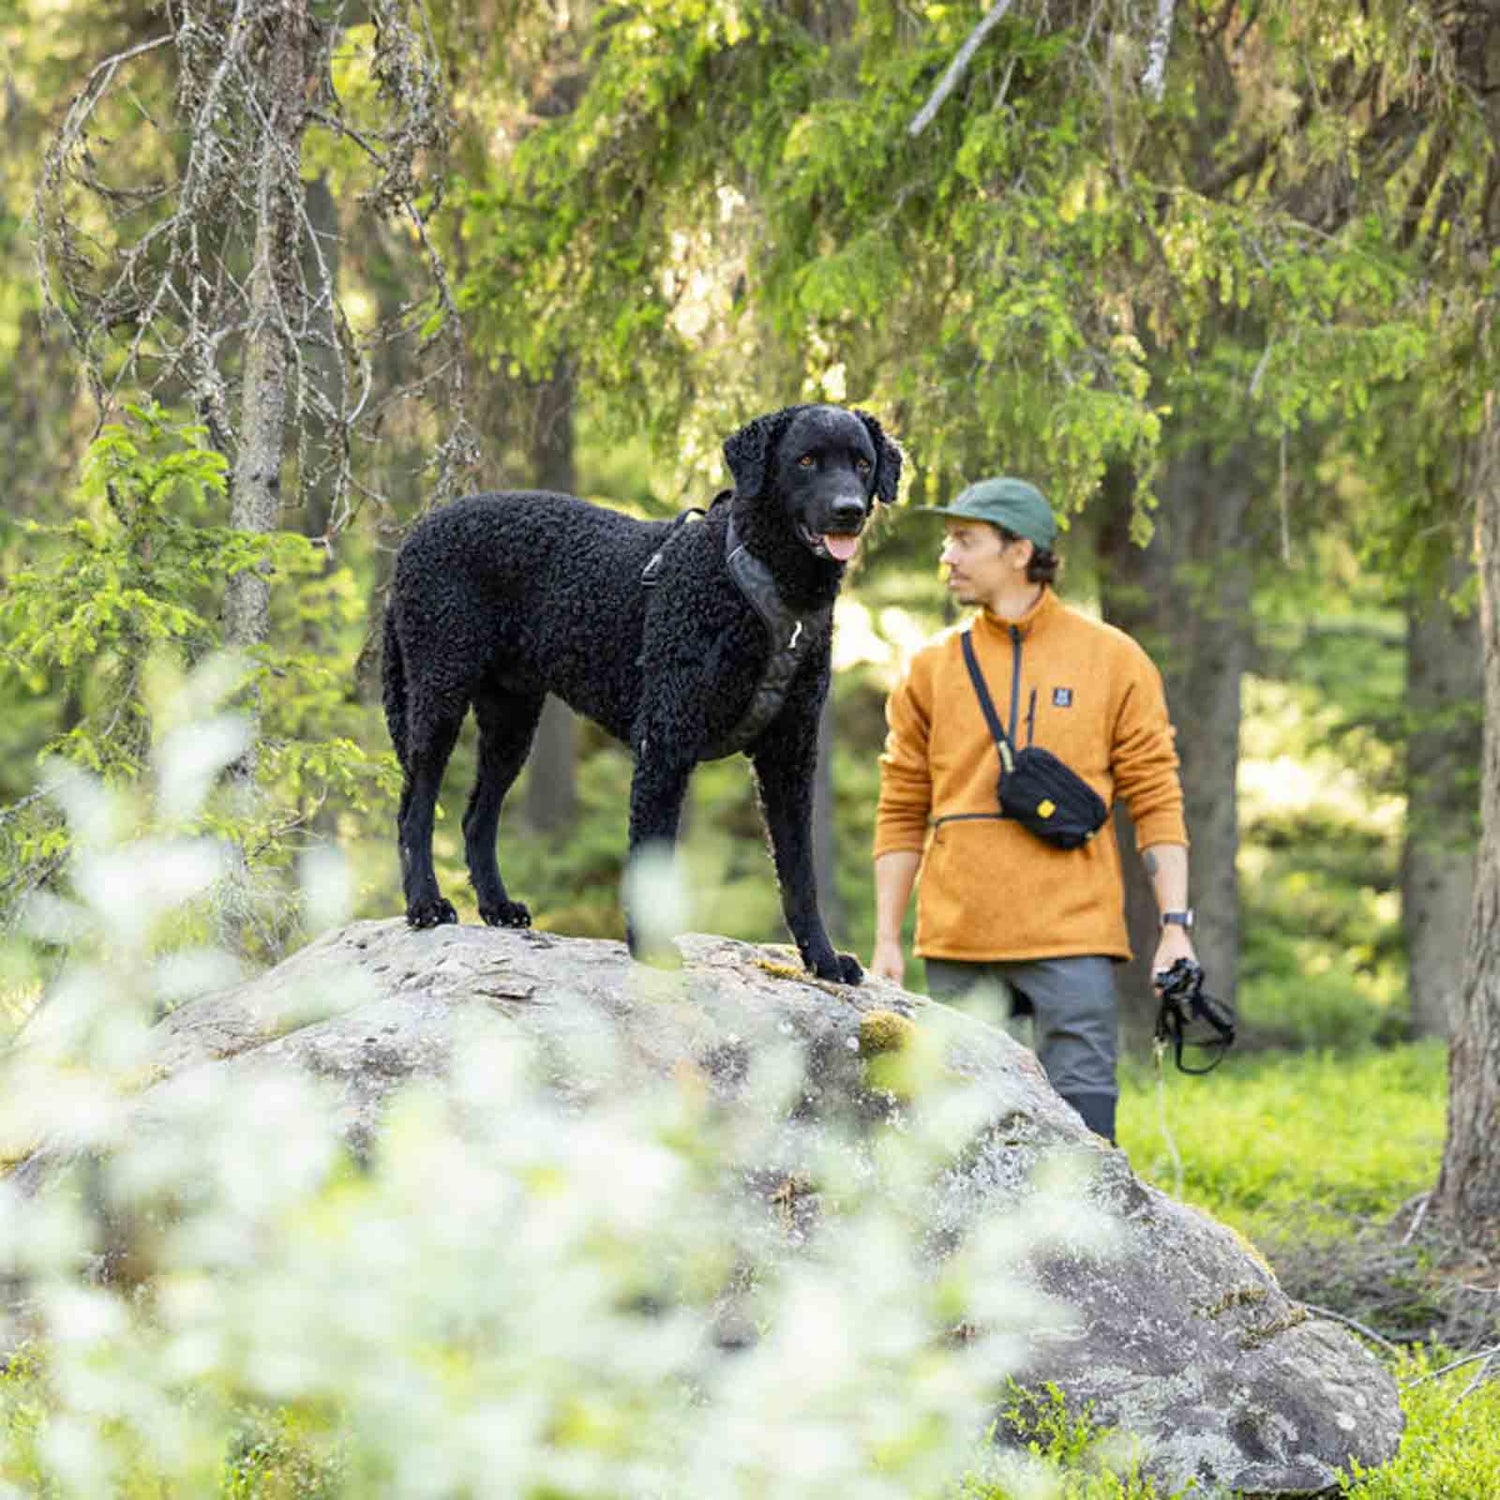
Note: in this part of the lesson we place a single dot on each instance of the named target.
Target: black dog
(688, 642)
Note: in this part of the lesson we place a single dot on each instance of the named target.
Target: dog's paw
(431, 912)
(506, 914)
(850, 969)
(839, 968)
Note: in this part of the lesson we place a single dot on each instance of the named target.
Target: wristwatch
(1183, 919)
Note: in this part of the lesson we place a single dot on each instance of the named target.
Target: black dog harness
(789, 631)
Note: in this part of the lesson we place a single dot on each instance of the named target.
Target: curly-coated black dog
(687, 641)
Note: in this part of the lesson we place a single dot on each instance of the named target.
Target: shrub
(521, 1291)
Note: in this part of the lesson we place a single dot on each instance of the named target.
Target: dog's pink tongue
(841, 547)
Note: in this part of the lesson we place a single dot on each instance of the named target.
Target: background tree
(188, 259)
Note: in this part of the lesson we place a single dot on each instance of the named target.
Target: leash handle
(1183, 1001)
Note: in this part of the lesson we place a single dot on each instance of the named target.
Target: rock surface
(1184, 1337)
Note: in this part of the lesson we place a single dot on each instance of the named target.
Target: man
(996, 904)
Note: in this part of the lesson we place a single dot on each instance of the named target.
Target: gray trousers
(1071, 1003)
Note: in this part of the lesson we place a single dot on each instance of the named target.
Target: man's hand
(895, 874)
(888, 961)
(1174, 943)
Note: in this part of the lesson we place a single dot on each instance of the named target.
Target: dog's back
(528, 588)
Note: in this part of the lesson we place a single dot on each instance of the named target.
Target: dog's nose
(846, 515)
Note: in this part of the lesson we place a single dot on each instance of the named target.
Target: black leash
(1185, 1002)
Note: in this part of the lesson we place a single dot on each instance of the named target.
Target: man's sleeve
(1145, 760)
(905, 781)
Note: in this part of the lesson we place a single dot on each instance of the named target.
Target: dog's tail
(393, 684)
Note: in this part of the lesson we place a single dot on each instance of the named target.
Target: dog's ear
(887, 459)
(748, 452)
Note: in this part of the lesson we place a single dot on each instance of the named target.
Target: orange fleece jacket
(988, 889)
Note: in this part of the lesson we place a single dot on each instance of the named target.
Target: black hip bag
(1036, 788)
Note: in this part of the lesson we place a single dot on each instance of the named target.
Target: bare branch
(949, 81)
(156, 281)
(1468, 1359)
(1348, 1322)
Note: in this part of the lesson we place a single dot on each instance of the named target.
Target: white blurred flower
(191, 757)
(327, 888)
(129, 889)
(554, 1270)
(656, 896)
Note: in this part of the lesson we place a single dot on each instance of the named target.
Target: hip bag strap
(997, 732)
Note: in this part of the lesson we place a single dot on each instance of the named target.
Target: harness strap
(652, 571)
(789, 634)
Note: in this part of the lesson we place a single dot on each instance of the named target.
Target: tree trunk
(1468, 1191)
(551, 775)
(1208, 620)
(255, 488)
(1132, 582)
(320, 272)
(1445, 692)
(1186, 599)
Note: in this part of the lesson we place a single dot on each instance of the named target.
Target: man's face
(980, 562)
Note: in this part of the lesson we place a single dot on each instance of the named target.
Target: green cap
(1012, 503)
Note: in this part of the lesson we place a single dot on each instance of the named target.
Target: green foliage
(125, 595)
(272, 1453)
(1072, 1456)
(23, 1414)
(733, 210)
(1322, 764)
(278, 1453)
(131, 573)
(1452, 1443)
(1300, 1147)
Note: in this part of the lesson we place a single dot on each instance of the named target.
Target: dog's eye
(862, 464)
(807, 461)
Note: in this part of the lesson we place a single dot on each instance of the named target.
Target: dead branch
(164, 308)
(1355, 1324)
(955, 71)
(1457, 1364)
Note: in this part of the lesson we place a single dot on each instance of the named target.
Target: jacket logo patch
(1062, 697)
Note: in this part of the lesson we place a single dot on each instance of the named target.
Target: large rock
(1183, 1338)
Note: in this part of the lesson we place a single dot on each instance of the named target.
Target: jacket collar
(1034, 619)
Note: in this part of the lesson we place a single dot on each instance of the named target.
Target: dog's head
(824, 466)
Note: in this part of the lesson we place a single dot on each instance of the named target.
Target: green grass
(1452, 1446)
(1285, 1145)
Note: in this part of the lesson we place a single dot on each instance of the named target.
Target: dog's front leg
(657, 790)
(785, 760)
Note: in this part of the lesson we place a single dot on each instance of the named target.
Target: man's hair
(1044, 561)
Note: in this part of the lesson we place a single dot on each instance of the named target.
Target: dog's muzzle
(840, 541)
